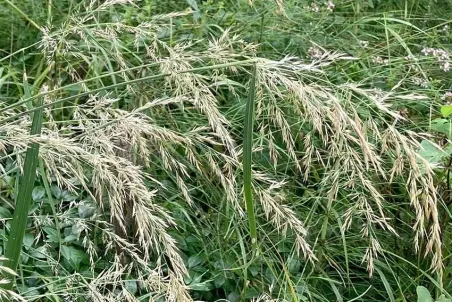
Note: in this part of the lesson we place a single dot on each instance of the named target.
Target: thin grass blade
(19, 221)
(247, 159)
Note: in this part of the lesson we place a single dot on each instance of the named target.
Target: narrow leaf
(20, 216)
(387, 286)
(247, 159)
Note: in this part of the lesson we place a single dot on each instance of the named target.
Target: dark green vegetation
(174, 132)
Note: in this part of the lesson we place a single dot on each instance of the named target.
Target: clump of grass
(146, 131)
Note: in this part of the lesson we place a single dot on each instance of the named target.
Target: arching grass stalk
(107, 88)
(19, 221)
(247, 159)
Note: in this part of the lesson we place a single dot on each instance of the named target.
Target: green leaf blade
(20, 216)
(247, 159)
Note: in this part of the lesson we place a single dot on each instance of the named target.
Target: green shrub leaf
(73, 255)
(431, 152)
(195, 260)
(443, 126)
(446, 110)
(443, 298)
(38, 193)
(423, 295)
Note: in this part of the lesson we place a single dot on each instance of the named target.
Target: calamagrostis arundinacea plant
(112, 152)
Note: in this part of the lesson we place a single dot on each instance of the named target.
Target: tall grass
(18, 225)
(154, 129)
(247, 159)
